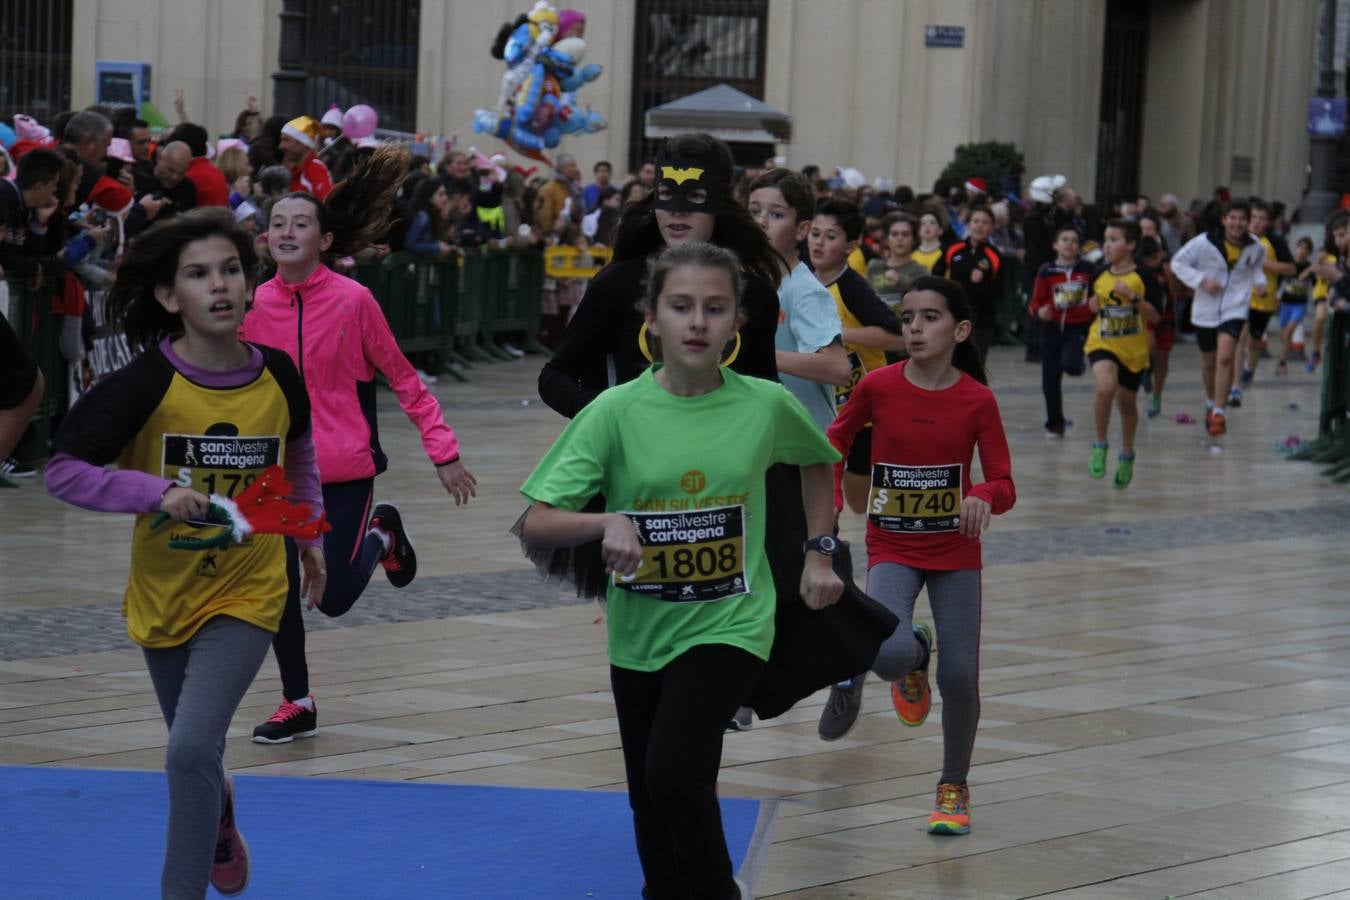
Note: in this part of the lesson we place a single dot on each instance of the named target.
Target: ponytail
(357, 211)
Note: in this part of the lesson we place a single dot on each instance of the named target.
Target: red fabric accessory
(110, 195)
(976, 186)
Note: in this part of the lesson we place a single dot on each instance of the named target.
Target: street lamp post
(1321, 199)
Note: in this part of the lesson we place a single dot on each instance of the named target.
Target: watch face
(826, 544)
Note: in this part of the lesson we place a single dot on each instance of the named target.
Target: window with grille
(685, 46)
(34, 58)
(363, 51)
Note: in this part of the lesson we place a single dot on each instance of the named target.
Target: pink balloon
(359, 121)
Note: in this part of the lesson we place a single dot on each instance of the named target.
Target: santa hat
(110, 195)
(120, 148)
(332, 117)
(976, 186)
(303, 129)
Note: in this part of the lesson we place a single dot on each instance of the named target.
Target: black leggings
(671, 724)
(351, 553)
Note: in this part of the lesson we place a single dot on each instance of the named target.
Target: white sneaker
(427, 378)
(512, 350)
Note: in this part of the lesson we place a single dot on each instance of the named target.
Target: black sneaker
(290, 721)
(400, 563)
(841, 710)
(15, 469)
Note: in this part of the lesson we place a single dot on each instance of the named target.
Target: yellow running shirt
(1119, 327)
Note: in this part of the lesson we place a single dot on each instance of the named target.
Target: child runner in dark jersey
(1162, 333)
(605, 343)
(1328, 269)
(1059, 305)
(1122, 297)
(1294, 295)
(691, 600)
(197, 412)
(978, 267)
(925, 518)
(334, 330)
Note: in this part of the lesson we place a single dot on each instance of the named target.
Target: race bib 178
(218, 464)
(915, 499)
(694, 556)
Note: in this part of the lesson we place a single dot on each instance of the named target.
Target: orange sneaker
(911, 696)
(1216, 423)
(951, 813)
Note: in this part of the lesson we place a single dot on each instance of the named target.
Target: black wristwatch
(825, 544)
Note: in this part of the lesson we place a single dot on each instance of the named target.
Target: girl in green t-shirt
(680, 454)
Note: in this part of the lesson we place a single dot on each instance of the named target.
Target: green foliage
(993, 161)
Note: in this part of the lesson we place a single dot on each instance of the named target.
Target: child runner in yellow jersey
(1265, 301)
(1122, 297)
(197, 412)
(929, 250)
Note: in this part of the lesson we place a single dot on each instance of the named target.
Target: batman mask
(684, 185)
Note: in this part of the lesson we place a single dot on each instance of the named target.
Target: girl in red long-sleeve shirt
(925, 516)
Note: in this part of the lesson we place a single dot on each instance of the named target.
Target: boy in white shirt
(811, 357)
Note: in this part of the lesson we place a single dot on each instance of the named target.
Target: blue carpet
(80, 833)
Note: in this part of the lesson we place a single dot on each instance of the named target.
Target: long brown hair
(152, 260)
(358, 210)
(638, 235)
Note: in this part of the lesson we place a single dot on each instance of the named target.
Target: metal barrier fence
(1332, 445)
(456, 308)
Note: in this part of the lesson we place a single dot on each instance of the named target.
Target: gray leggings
(955, 599)
(199, 684)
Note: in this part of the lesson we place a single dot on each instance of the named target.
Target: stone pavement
(1166, 707)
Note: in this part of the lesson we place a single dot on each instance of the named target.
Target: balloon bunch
(537, 105)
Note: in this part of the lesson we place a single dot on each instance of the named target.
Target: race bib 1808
(689, 556)
(915, 499)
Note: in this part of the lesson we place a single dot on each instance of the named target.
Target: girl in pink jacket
(334, 330)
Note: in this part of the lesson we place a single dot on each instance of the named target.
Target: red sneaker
(912, 696)
(229, 873)
(951, 812)
(1216, 423)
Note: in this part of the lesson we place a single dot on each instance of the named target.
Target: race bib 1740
(915, 499)
(689, 557)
